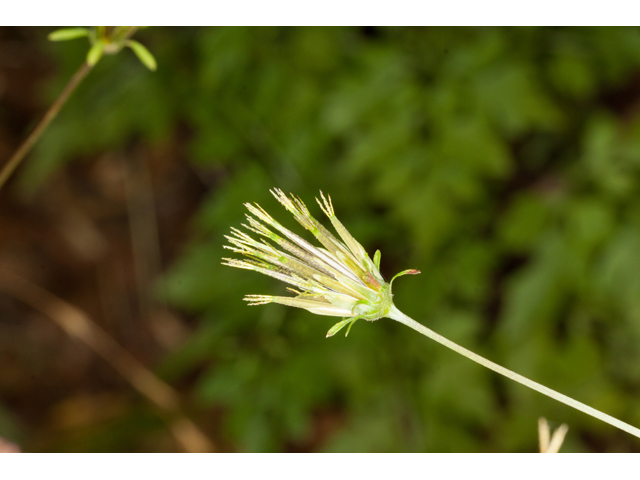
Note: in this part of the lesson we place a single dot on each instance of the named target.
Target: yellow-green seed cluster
(337, 279)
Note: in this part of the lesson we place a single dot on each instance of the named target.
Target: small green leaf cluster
(107, 40)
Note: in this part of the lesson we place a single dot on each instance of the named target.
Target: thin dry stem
(77, 324)
(33, 137)
(145, 241)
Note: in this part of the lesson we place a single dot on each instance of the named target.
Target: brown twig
(77, 324)
(33, 137)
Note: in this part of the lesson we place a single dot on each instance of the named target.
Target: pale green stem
(397, 315)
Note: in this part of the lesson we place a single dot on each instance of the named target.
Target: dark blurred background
(504, 163)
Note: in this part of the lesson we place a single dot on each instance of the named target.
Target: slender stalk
(77, 324)
(31, 140)
(397, 315)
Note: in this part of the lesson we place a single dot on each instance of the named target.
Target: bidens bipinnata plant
(341, 280)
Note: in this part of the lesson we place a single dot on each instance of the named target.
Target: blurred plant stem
(31, 140)
(77, 324)
(104, 40)
(397, 315)
(549, 443)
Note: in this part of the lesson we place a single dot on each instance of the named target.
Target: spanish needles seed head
(338, 279)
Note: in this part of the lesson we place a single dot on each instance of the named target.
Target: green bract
(338, 279)
(107, 40)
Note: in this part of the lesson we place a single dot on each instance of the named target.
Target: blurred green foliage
(504, 163)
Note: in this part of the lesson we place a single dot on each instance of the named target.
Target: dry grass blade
(77, 324)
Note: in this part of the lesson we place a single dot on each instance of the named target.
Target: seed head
(338, 279)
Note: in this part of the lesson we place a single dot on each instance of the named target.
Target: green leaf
(95, 53)
(68, 34)
(338, 326)
(350, 325)
(145, 56)
(376, 259)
